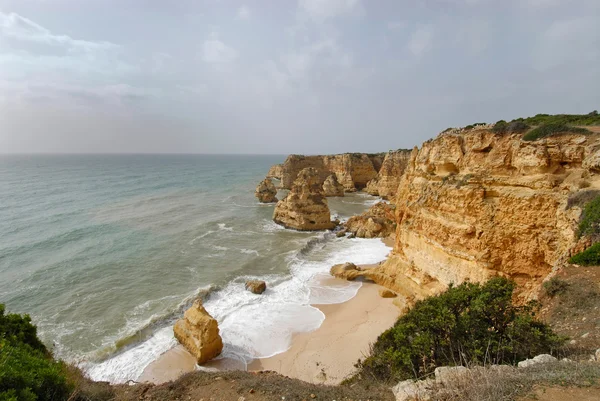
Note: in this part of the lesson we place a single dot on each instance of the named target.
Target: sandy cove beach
(326, 355)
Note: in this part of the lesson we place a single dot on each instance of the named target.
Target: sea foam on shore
(260, 326)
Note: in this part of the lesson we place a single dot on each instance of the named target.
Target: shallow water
(105, 252)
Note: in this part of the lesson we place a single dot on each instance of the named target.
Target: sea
(106, 252)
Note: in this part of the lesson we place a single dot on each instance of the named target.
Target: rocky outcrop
(387, 180)
(198, 332)
(475, 205)
(276, 171)
(304, 208)
(266, 191)
(256, 286)
(378, 221)
(331, 187)
(385, 293)
(353, 170)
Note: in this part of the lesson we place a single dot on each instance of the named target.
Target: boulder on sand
(198, 332)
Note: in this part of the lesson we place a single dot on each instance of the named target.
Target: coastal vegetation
(467, 324)
(502, 127)
(27, 370)
(589, 226)
(550, 129)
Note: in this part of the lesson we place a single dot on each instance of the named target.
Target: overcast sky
(283, 76)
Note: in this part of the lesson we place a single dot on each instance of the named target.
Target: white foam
(201, 236)
(130, 364)
(259, 326)
(249, 251)
(223, 226)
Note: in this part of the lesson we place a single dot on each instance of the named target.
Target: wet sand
(326, 355)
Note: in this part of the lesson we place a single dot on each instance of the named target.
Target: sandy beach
(326, 355)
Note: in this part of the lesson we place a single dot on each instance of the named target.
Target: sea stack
(198, 332)
(266, 191)
(332, 187)
(305, 207)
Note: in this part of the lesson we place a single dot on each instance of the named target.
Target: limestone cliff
(387, 180)
(477, 204)
(331, 187)
(276, 171)
(353, 170)
(304, 208)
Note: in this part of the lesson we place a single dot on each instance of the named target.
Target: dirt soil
(575, 311)
(244, 386)
(564, 394)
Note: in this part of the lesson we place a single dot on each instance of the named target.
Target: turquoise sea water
(106, 251)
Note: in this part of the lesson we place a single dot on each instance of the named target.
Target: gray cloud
(315, 76)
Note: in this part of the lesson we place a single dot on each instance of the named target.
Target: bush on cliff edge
(27, 370)
(467, 324)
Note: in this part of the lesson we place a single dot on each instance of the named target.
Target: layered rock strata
(198, 332)
(331, 187)
(266, 191)
(474, 205)
(353, 170)
(304, 208)
(385, 184)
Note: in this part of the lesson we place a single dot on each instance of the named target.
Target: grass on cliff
(592, 118)
(550, 129)
(467, 324)
(589, 226)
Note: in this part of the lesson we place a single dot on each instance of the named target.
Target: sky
(284, 76)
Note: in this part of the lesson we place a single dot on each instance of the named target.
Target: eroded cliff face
(385, 184)
(353, 170)
(473, 205)
(276, 171)
(305, 207)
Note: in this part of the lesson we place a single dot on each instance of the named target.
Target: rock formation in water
(256, 286)
(198, 332)
(304, 208)
(387, 180)
(353, 170)
(332, 187)
(276, 171)
(266, 191)
(477, 204)
(378, 221)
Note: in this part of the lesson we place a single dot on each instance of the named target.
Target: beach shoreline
(326, 355)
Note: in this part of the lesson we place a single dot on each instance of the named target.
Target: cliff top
(538, 126)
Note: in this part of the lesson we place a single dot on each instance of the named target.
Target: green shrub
(515, 126)
(555, 286)
(470, 323)
(552, 129)
(589, 257)
(27, 370)
(589, 223)
(565, 119)
(471, 126)
(18, 329)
